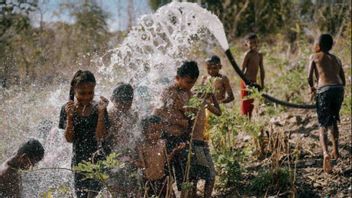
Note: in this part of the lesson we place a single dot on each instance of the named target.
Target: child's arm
(69, 108)
(245, 63)
(214, 108)
(262, 72)
(140, 163)
(342, 73)
(101, 130)
(175, 151)
(312, 68)
(230, 97)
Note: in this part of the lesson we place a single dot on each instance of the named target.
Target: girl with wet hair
(85, 122)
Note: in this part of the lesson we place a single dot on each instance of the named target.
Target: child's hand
(103, 103)
(69, 108)
(313, 92)
(180, 147)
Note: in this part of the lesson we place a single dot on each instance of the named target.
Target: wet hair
(33, 149)
(251, 36)
(123, 92)
(188, 68)
(325, 42)
(80, 77)
(213, 60)
(146, 122)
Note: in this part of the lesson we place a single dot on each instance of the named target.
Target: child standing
(173, 111)
(221, 84)
(153, 158)
(202, 163)
(122, 181)
(27, 155)
(330, 92)
(122, 119)
(85, 123)
(253, 61)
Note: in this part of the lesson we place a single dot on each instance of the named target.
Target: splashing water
(156, 46)
(148, 59)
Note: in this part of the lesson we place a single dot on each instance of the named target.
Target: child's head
(82, 86)
(213, 65)
(251, 41)
(122, 97)
(152, 127)
(324, 43)
(187, 75)
(30, 153)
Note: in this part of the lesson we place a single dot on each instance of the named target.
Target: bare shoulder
(337, 59)
(224, 78)
(248, 53)
(315, 57)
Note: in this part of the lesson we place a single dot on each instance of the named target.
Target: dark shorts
(202, 163)
(83, 186)
(179, 161)
(329, 100)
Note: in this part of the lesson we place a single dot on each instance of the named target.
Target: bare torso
(219, 86)
(154, 160)
(251, 67)
(9, 181)
(122, 124)
(199, 128)
(172, 110)
(327, 69)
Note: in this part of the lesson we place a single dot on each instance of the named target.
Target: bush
(270, 180)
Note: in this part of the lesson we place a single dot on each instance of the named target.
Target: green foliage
(228, 169)
(61, 191)
(186, 185)
(99, 171)
(195, 102)
(269, 180)
(290, 85)
(347, 102)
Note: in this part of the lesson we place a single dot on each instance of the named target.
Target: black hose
(266, 96)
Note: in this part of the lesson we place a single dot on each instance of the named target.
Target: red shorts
(246, 104)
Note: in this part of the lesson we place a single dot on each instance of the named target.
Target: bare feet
(327, 164)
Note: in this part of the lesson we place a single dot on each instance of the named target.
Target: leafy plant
(228, 170)
(99, 171)
(268, 180)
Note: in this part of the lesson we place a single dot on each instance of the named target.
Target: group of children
(168, 135)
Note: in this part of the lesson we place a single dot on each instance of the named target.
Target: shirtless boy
(173, 112)
(153, 158)
(221, 84)
(329, 73)
(27, 156)
(122, 181)
(202, 163)
(253, 61)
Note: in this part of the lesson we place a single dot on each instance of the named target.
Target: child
(202, 163)
(122, 120)
(85, 123)
(27, 156)
(253, 61)
(223, 90)
(154, 159)
(178, 128)
(120, 140)
(331, 81)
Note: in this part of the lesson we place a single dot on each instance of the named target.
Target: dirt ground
(302, 131)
